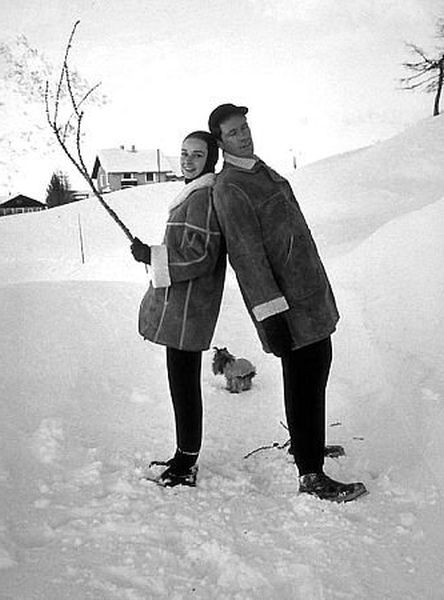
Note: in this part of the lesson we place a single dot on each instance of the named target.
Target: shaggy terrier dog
(238, 372)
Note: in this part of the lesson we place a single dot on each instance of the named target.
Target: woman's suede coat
(273, 253)
(183, 314)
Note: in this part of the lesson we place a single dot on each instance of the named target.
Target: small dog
(238, 371)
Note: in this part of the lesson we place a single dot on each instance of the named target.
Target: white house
(120, 168)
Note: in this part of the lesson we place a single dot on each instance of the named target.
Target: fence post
(82, 252)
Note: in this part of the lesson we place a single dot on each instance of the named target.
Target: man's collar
(238, 161)
(251, 164)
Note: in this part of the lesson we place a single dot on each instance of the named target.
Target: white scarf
(207, 180)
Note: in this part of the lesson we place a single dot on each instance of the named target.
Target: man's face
(235, 136)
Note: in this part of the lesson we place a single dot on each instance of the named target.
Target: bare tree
(427, 72)
(68, 131)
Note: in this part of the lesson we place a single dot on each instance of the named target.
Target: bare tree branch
(75, 113)
(333, 451)
(62, 131)
(414, 86)
(427, 72)
(271, 446)
(417, 50)
(62, 72)
(69, 86)
(433, 87)
(420, 68)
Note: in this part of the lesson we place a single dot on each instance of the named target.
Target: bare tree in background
(427, 72)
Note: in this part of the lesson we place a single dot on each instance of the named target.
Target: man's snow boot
(181, 470)
(325, 488)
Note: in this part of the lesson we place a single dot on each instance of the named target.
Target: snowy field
(84, 406)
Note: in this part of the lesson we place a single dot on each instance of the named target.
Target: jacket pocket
(303, 271)
(290, 247)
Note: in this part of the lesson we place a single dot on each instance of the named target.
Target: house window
(128, 180)
(149, 177)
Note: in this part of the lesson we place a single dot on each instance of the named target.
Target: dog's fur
(238, 371)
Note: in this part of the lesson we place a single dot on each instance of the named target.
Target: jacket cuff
(268, 309)
(160, 273)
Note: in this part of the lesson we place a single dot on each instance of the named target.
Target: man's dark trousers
(305, 374)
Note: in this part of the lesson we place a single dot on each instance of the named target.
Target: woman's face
(193, 157)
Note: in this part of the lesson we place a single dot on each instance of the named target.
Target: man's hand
(277, 334)
(141, 251)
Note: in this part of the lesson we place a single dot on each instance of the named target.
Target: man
(285, 289)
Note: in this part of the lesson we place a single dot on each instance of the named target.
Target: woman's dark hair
(213, 149)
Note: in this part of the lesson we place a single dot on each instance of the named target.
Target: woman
(182, 304)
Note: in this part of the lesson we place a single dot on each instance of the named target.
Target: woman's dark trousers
(305, 373)
(184, 373)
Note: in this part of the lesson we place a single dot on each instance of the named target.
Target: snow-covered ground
(84, 406)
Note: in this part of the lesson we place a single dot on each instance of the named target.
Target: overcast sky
(319, 76)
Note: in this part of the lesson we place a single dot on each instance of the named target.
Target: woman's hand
(141, 251)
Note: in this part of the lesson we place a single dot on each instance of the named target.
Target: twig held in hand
(62, 130)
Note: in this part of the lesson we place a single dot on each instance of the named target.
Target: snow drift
(84, 406)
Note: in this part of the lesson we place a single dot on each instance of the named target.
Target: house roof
(118, 160)
(21, 201)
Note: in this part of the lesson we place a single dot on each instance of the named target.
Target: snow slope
(84, 407)
(348, 196)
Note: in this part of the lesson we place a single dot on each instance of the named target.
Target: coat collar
(251, 165)
(238, 161)
(207, 180)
